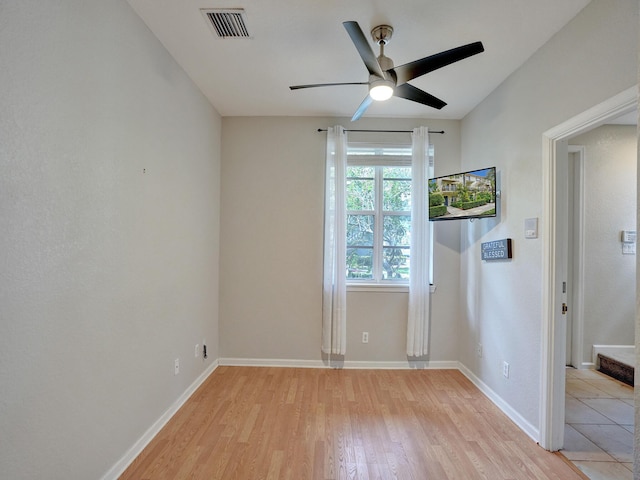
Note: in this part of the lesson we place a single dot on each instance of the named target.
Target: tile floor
(598, 435)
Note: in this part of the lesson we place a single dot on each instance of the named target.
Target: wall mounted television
(463, 195)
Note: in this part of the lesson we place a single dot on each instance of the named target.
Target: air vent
(227, 23)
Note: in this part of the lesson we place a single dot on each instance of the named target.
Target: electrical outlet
(505, 369)
(480, 350)
(365, 337)
(197, 350)
(176, 366)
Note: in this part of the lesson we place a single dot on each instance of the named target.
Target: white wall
(609, 207)
(590, 60)
(271, 247)
(109, 213)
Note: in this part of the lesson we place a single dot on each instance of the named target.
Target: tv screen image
(463, 195)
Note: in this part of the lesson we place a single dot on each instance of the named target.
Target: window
(378, 198)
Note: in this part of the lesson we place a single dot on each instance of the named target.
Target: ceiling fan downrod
(381, 36)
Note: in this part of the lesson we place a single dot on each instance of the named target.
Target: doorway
(555, 251)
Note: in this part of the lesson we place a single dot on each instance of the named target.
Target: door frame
(575, 335)
(553, 344)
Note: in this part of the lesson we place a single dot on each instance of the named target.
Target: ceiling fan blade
(314, 85)
(409, 92)
(414, 69)
(361, 109)
(364, 49)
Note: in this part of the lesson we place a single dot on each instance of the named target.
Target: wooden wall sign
(496, 250)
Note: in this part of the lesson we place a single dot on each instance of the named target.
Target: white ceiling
(303, 41)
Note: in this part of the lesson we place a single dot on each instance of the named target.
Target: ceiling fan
(385, 80)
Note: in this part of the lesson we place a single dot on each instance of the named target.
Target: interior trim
(553, 338)
(136, 449)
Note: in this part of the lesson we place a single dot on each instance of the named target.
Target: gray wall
(109, 212)
(271, 247)
(609, 207)
(589, 61)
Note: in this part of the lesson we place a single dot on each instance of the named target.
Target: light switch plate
(628, 236)
(531, 227)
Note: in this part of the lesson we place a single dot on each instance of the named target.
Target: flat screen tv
(463, 195)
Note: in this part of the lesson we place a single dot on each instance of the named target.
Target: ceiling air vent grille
(227, 23)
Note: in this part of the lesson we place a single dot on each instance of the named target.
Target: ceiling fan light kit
(381, 89)
(385, 80)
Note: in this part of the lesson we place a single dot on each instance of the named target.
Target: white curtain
(334, 295)
(419, 290)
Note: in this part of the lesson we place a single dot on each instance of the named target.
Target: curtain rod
(383, 131)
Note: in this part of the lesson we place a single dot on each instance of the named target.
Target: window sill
(381, 287)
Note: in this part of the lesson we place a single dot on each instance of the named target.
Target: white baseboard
(624, 353)
(270, 362)
(518, 419)
(404, 365)
(395, 365)
(122, 464)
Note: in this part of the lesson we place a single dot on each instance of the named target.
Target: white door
(561, 306)
(575, 270)
(573, 234)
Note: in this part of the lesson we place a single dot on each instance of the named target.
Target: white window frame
(380, 156)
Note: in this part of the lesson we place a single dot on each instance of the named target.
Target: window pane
(360, 262)
(403, 173)
(397, 230)
(360, 188)
(360, 230)
(360, 172)
(396, 188)
(395, 263)
(360, 194)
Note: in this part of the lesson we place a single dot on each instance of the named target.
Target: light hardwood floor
(289, 423)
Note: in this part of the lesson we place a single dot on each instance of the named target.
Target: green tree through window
(378, 221)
